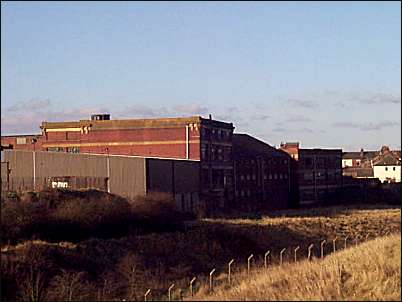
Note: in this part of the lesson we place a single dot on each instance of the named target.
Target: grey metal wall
(177, 177)
(127, 174)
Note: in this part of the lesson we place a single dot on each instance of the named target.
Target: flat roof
(134, 123)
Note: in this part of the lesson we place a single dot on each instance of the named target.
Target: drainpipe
(34, 170)
(187, 142)
(289, 173)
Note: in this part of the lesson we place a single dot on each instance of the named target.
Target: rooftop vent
(100, 117)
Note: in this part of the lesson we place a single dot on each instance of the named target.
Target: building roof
(134, 123)
(387, 160)
(358, 155)
(245, 145)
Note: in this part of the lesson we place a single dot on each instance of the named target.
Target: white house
(388, 169)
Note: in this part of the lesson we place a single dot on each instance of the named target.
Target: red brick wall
(154, 139)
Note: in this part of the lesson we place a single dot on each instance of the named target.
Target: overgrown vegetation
(370, 271)
(123, 268)
(76, 215)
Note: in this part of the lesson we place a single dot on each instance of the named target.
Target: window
(275, 176)
(55, 149)
(386, 168)
(242, 193)
(285, 176)
(73, 150)
(21, 140)
(285, 161)
(265, 176)
(270, 176)
(254, 177)
(393, 168)
(280, 175)
(241, 177)
(308, 176)
(248, 176)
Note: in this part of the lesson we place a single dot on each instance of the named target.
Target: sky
(327, 75)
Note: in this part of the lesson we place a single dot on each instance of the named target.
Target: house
(387, 166)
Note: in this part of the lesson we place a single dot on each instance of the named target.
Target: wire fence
(256, 263)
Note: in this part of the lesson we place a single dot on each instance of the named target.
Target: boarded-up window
(21, 140)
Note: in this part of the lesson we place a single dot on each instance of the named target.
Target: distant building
(383, 164)
(387, 165)
(193, 138)
(319, 172)
(263, 175)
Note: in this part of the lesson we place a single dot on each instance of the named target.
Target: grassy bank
(125, 267)
(370, 271)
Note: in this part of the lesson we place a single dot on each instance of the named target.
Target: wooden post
(346, 239)
(210, 280)
(191, 286)
(334, 242)
(280, 255)
(229, 270)
(322, 248)
(265, 258)
(248, 264)
(309, 251)
(146, 294)
(169, 292)
(296, 249)
(367, 236)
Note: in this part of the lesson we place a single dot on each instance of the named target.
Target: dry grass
(370, 271)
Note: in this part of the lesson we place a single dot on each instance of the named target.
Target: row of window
(270, 161)
(269, 176)
(216, 134)
(222, 153)
(60, 149)
(393, 169)
(322, 175)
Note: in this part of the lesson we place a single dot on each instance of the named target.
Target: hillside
(125, 267)
(370, 271)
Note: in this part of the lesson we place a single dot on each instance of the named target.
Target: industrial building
(192, 138)
(128, 176)
(264, 178)
(225, 169)
(319, 172)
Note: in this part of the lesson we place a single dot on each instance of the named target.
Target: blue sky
(324, 74)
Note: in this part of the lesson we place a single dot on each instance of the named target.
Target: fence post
(280, 255)
(265, 258)
(210, 280)
(334, 242)
(367, 236)
(146, 294)
(191, 286)
(296, 249)
(309, 251)
(322, 248)
(248, 264)
(229, 271)
(346, 239)
(169, 292)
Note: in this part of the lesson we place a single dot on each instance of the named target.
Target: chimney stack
(210, 116)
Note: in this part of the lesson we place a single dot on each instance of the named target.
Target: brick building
(193, 138)
(263, 175)
(319, 172)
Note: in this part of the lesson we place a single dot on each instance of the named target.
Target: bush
(75, 215)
